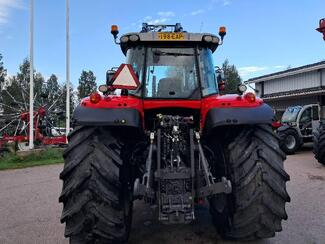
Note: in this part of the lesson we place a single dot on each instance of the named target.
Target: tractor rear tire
(256, 206)
(289, 141)
(96, 195)
(319, 144)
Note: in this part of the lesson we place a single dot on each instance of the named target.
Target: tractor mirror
(221, 81)
(125, 78)
(109, 75)
(321, 27)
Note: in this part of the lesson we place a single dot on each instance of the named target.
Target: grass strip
(37, 158)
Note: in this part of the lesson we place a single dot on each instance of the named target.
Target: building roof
(288, 72)
(295, 94)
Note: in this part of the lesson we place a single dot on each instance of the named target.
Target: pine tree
(87, 84)
(232, 77)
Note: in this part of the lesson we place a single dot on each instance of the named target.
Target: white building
(298, 86)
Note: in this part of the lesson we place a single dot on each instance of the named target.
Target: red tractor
(162, 133)
(319, 136)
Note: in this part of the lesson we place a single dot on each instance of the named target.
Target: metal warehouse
(298, 86)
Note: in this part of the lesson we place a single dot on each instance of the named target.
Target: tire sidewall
(284, 135)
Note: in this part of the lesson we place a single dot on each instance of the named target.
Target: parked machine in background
(298, 125)
(14, 124)
(319, 136)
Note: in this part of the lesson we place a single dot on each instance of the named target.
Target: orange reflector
(250, 97)
(95, 98)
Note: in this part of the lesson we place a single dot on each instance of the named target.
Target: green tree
(3, 73)
(52, 89)
(16, 94)
(87, 84)
(63, 98)
(232, 77)
(23, 77)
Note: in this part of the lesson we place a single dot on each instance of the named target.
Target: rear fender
(126, 117)
(217, 117)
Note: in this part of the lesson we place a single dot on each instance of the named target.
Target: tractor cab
(171, 63)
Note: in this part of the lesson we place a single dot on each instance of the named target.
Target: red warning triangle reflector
(125, 78)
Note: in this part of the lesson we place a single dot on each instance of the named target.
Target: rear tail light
(95, 98)
(250, 97)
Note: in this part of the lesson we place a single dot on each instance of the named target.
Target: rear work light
(134, 38)
(95, 98)
(207, 38)
(124, 39)
(250, 97)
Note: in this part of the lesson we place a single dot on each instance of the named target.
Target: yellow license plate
(165, 36)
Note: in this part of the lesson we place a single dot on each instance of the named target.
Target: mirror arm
(115, 40)
(124, 92)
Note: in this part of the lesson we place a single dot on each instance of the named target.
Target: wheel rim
(290, 142)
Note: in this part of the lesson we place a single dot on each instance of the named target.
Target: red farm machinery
(14, 125)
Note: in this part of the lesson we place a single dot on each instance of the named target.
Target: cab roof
(156, 35)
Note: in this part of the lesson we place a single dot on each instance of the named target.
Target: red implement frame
(39, 137)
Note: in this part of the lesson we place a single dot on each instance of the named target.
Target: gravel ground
(30, 212)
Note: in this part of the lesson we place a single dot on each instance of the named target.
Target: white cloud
(150, 20)
(157, 21)
(224, 2)
(200, 11)
(160, 18)
(249, 70)
(219, 2)
(147, 18)
(5, 8)
(166, 14)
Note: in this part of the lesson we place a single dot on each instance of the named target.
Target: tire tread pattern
(259, 184)
(319, 144)
(91, 194)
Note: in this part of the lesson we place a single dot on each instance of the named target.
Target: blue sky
(263, 36)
